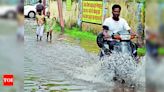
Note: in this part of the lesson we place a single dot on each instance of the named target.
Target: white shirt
(115, 26)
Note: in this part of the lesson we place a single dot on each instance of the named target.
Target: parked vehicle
(8, 8)
(30, 10)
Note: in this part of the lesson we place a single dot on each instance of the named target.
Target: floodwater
(68, 66)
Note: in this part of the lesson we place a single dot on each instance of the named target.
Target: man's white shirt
(115, 26)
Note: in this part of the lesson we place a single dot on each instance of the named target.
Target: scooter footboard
(126, 48)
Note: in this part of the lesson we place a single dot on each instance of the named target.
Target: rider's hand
(134, 34)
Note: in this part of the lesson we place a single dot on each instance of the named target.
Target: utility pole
(59, 2)
(44, 4)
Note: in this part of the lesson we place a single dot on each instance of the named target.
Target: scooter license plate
(125, 37)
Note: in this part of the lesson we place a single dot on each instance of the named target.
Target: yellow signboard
(92, 11)
(69, 4)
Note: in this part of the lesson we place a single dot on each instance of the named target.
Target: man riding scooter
(113, 25)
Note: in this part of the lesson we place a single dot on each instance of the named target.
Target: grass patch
(76, 33)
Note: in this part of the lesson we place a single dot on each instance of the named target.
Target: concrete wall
(70, 17)
(129, 12)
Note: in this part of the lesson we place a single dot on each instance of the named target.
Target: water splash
(121, 65)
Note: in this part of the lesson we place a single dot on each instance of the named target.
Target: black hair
(116, 6)
(20, 8)
(105, 27)
(40, 1)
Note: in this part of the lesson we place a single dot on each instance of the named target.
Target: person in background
(53, 23)
(49, 25)
(40, 19)
(20, 20)
(40, 7)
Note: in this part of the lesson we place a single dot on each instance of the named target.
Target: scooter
(122, 44)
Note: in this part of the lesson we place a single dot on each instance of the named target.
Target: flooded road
(61, 66)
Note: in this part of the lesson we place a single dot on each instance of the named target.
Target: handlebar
(124, 37)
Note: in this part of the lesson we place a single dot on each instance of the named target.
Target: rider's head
(116, 11)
